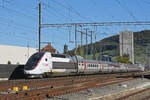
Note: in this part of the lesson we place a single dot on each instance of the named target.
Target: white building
(15, 54)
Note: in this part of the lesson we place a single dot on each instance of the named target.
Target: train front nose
(30, 73)
(33, 61)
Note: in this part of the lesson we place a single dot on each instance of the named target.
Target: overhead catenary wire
(55, 11)
(72, 10)
(98, 24)
(96, 4)
(18, 13)
(12, 34)
(147, 2)
(18, 27)
(11, 3)
(127, 10)
(21, 28)
(14, 23)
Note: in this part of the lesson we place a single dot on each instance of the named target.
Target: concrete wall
(149, 62)
(6, 70)
(127, 44)
(11, 71)
(14, 54)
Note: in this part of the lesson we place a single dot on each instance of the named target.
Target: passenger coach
(46, 64)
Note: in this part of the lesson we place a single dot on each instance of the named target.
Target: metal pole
(148, 61)
(86, 43)
(39, 26)
(81, 44)
(91, 46)
(94, 46)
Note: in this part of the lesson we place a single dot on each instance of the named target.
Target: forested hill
(110, 46)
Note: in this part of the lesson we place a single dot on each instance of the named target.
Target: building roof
(49, 48)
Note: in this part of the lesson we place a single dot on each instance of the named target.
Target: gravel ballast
(101, 92)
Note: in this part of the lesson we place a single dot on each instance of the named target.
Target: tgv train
(46, 64)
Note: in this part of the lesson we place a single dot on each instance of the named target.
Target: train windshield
(33, 60)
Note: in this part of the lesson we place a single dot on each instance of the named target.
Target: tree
(65, 49)
(124, 59)
(94, 53)
(9, 62)
(84, 52)
(79, 51)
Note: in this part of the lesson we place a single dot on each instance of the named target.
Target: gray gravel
(95, 93)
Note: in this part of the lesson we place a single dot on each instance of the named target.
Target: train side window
(58, 55)
(45, 59)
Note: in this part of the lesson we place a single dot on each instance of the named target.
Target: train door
(49, 62)
(80, 66)
(45, 63)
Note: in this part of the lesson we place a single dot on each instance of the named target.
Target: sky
(19, 19)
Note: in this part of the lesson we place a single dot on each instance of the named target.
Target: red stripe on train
(102, 64)
(84, 66)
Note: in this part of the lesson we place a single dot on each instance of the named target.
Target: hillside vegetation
(110, 46)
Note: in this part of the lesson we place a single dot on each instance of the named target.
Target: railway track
(143, 94)
(39, 89)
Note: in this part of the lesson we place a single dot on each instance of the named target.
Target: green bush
(9, 62)
(124, 59)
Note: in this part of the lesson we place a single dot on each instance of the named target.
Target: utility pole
(75, 39)
(86, 35)
(28, 49)
(95, 46)
(91, 44)
(70, 35)
(39, 26)
(81, 43)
